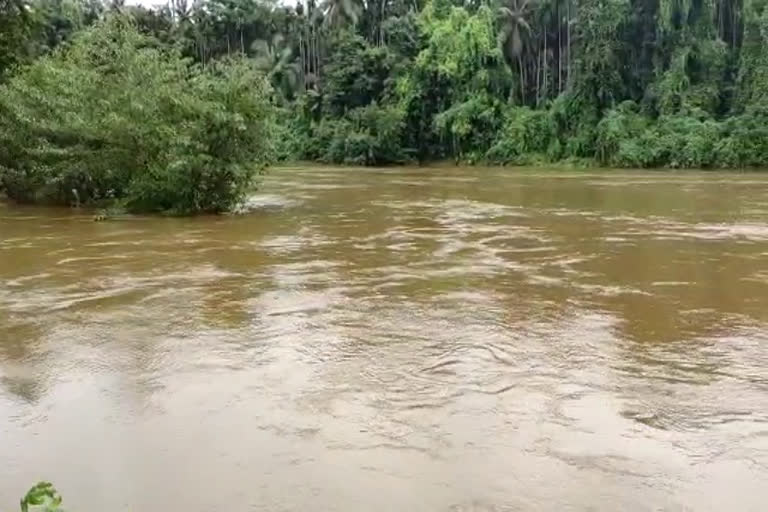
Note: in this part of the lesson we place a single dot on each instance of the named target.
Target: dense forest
(167, 106)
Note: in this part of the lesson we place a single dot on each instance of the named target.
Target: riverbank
(581, 165)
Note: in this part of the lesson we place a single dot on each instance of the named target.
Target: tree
(513, 26)
(275, 59)
(115, 118)
(16, 26)
(339, 11)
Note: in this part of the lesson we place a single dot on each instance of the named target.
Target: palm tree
(513, 25)
(275, 59)
(336, 11)
(565, 10)
(546, 18)
(310, 17)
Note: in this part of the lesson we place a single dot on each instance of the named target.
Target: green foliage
(338, 12)
(457, 82)
(403, 35)
(752, 79)
(628, 139)
(360, 124)
(575, 116)
(275, 59)
(680, 142)
(43, 496)
(16, 26)
(692, 81)
(60, 20)
(31, 28)
(639, 83)
(525, 133)
(461, 49)
(744, 141)
(115, 118)
(368, 135)
(467, 124)
(617, 136)
(597, 78)
(290, 135)
(357, 74)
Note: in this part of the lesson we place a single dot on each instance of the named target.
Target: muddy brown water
(400, 339)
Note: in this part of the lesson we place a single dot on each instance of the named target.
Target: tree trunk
(315, 43)
(568, 38)
(543, 82)
(318, 52)
(314, 51)
(311, 60)
(301, 57)
(538, 79)
(381, 23)
(559, 52)
(546, 69)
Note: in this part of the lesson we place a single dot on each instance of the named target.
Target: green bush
(684, 142)
(525, 133)
(626, 138)
(637, 152)
(574, 117)
(745, 141)
(367, 136)
(290, 133)
(467, 125)
(617, 137)
(357, 74)
(112, 117)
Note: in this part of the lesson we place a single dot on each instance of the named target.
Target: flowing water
(401, 339)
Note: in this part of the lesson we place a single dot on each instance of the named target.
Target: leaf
(42, 494)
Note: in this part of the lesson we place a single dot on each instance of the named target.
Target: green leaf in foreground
(44, 495)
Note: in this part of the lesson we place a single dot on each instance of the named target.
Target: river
(396, 339)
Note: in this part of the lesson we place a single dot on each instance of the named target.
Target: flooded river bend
(401, 339)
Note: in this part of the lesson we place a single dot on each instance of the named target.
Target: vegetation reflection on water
(419, 339)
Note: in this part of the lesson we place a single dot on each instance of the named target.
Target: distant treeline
(628, 83)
